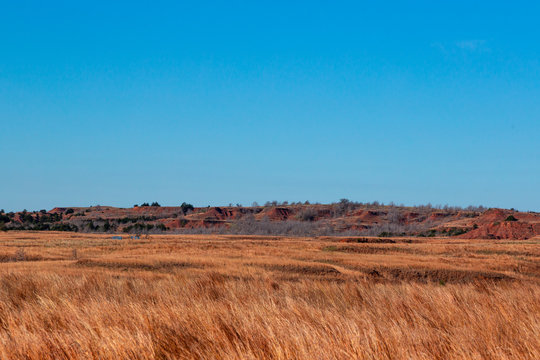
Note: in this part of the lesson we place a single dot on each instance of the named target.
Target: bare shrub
(397, 229)
(343, 207)
(248, 225)
(20, 255)
(395, 216)
(307, 214)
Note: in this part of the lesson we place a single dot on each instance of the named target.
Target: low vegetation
(79, 296)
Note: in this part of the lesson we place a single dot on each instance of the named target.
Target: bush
(308, 214)
(249, 225)
(186, 207)
(330, 248)
(431, 233)
(457, 231)
(511, 218)
(64, 227)
(397, 229)
(155, 203)
(26, 217)
(91, 226)
(20, 255)
(343, 207)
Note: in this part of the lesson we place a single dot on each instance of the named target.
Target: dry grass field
(80, 296)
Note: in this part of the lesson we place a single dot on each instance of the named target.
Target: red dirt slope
(341, 218)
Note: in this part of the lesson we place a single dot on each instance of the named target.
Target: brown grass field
(80, 296)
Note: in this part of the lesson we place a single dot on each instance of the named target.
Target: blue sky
(117, 103)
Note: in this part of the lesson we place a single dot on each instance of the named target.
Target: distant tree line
(306, 219)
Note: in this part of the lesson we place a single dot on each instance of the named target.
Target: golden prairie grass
(76, 296)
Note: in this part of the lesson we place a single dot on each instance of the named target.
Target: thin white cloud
(439, 46)
(461, 46)
(471, 45)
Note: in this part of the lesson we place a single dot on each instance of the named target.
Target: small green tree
(186, 207)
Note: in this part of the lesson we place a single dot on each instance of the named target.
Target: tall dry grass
(232, 298)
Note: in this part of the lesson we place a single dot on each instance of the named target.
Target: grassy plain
(87, 296)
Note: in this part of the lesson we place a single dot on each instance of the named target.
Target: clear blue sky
(117, 103)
